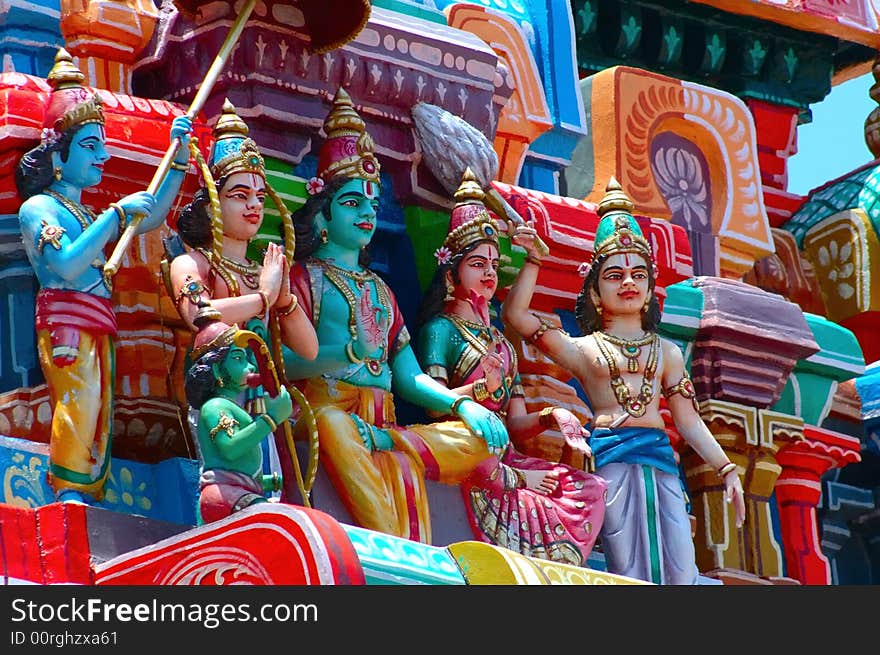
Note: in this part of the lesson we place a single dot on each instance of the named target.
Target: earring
(324, 236)
(57, 173)
(646, 305)
(220, 382)
(599, 310)
(449, 291)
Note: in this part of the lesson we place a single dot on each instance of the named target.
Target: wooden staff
(112, 265)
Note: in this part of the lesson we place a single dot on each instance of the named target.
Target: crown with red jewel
(212, 332)
(469, 223)
(348, 148)
(618, 231)
(71, 104)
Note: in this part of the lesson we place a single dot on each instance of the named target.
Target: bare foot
(542, 482)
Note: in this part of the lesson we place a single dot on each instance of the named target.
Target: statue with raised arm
(624, 366)
(229, 436)
(377, 466)
(65, 243)
(530, 505)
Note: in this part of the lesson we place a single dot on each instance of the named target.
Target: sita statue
(624, 367)
(65, 242)
(377, 466)
(218, 228)
(530, 505)
(230, 437)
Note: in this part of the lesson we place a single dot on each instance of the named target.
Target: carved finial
(615, 199)
(229, 124)
(64, 73)
(469, 190)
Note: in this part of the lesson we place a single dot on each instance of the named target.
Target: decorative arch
(526, 115)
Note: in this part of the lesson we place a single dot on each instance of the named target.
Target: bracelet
(533, 260)
(481, 391)
(120, 212)
(265, 308)
(546, 419)
(725, 469)
(453, 409)
(180, 167)
(272, 424)
(288, 309)
(537, 334)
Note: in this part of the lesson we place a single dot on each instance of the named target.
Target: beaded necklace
(249, 273)
(637, 406)
(630, 348)
(81, 213)
(338, 277)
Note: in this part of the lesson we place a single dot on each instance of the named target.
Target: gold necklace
(481, 344)
(337, 276)
(81, 213)
(629, 348)
(634, 406)
(249, 273)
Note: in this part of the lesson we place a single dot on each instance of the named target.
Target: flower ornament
(314, 186)
(443, 255)
(583, 269)
(48, 136)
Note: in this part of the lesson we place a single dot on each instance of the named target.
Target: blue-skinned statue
(65, 243)
(377, 466)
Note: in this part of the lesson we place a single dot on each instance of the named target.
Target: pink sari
(562, 526)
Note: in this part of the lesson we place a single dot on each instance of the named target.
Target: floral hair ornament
(583, 269)
(443, 255)
(314, 186)
(48, 136)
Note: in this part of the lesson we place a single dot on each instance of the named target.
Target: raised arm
(181, 127)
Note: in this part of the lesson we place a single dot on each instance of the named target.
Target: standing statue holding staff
(624, 366)
(65, 243)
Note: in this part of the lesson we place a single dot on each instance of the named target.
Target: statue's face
(478, 272)
(236, 367)
(85, 160)
(353, 211)
(623, 284)
(242, 199)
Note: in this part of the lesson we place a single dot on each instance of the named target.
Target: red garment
(65, 313)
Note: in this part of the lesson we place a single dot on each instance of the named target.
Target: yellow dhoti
(384, 490)
(81, 394)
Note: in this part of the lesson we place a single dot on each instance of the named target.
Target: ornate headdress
(71, 104)
(618, 231)
(235, 152)
(470, 222)
(348, 148)
(212, 332)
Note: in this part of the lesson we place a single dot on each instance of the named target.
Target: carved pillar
(107, 36)
(798, 492)
(751, 438)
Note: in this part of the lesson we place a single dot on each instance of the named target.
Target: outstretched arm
(690, 425)
(420, 389)
(515, 312)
